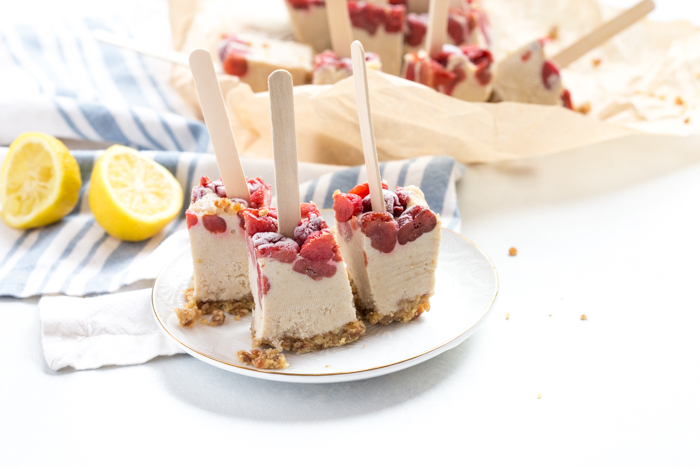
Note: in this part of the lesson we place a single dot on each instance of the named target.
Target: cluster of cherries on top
(368, 16)
(260, 195)
(399, 223)
(313, 249)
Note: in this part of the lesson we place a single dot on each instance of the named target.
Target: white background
(612, 231)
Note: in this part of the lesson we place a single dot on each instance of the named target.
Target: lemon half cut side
(39, 181)
(131, 196)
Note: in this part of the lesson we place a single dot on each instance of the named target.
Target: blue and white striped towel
(77, 257)
(57, 79)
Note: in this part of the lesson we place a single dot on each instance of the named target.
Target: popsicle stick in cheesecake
(603, 33)
(340, 27)
(284, 150)
(216, 118)
(364, 114)
(437, 26)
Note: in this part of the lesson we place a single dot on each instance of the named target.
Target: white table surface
(612, 231)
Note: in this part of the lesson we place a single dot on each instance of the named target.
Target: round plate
(466, 288)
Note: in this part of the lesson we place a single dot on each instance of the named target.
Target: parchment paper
(646, 79)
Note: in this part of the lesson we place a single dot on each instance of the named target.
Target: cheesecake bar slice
(329, 68)
(303, 299)
(380, 29)
(391, 255)
(217, 238)
(462, 72)
(252, 58)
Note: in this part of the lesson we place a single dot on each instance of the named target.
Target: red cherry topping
(316, 270)
(191, 219)
(566, 99)
(276, 246)
(381, 228)
(321, 246)
(235, 64)
(307, 227)
(416, 221)
(403, 196)
(255, 223)
(309, 210)
(391, 201)
(550, 74)
(260, 194)
(417, 28)
(214, 223)
(346, 206)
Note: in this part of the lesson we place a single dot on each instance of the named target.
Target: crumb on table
(268, 359)
(687, 120)
(513, 251)
(584, 109)
(679, 100)
(584, 317)
(596, 61)
(507, 315)
(554, 33)
(539, 396)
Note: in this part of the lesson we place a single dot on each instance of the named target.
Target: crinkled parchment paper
(645, 79)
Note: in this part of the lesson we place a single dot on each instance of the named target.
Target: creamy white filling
(298, 306)
(219, 261)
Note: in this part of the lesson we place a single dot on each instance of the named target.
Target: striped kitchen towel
(77, 257)
(57, 79)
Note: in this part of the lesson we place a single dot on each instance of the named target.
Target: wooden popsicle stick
(437, 26)
(162, 53)
(284, 150)
(216, 118)
(340, 27)
(364, 114)
(603, 33)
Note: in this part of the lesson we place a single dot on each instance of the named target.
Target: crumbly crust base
(348, 333)
(267, 359)
(407, 310)
(194, 309)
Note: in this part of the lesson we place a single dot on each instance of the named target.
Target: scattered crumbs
(679, 101)
(687, 120)
(550, 314)
(507, 315)
(539, 396)
(596, 61)
(584, 108)
(513, 251)
(363, 346)
(663, 98)
(263, 359)
(328, 366)
(554, 33)
(584, 317)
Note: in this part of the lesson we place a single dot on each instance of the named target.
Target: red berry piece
(391, 202)
(321, 246)
(309, 210)
(204, 181)
(550, 75)
(403, 196)
(255, 223)
(361, 190)
(260, 194)
(235, 64)
(416, 221)
(417, 28)
(214, 223)
(381, 228)
(191, 219)
(316, 270)
(198, 193)
(276, 246)
(307, 227)
(566, 99)
(346, 206)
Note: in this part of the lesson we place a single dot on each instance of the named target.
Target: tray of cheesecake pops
(291, 293)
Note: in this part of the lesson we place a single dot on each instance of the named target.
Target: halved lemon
(131, 196)
(39, 183)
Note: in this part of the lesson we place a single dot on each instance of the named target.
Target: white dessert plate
(466, 288)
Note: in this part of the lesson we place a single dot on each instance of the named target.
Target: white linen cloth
(116, 329)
